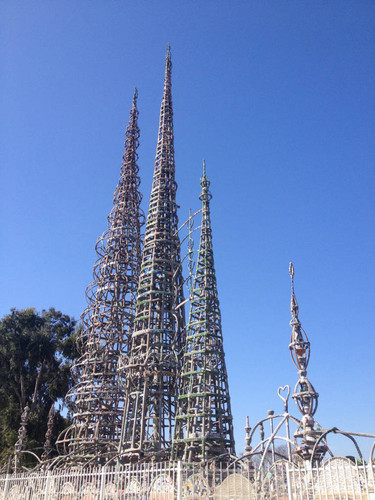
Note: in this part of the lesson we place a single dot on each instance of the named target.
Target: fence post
(7, 477)
(102, 483)
(179, 480)
(288, 482)
(370, 480)
(46, 491)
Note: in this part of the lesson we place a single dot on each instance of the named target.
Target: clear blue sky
(278, 97)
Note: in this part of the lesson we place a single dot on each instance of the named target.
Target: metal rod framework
(97, 398)
(153, 362)
(204, 428)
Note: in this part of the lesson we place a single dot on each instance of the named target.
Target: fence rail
(338, 478)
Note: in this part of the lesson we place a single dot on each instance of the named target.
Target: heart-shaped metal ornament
(285, 396)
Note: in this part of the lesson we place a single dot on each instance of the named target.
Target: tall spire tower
(152, 364)
(204, 428)
(97, 398)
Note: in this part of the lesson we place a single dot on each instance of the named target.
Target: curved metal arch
(336, 431)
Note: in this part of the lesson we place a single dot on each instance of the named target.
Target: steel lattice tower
(204, 428)
(97, 398)
(152, 365)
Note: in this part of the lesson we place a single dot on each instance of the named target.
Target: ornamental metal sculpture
(204, 428)
(154, 359)
(20, 443)
(97, 398)
(48, 442)
(276, 445)
(305, 396)
(277, 448)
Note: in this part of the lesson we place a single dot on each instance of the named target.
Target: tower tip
(291, 270)
(293, 300)
(205, 184)
(168, 64)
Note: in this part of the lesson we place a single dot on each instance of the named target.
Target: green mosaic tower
(204, 428)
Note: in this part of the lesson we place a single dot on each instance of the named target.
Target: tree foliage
(36, 350)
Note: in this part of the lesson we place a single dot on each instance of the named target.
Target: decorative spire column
(152, 365)
(304, 395)
(97, 398)
(48, 442)
(204, 428)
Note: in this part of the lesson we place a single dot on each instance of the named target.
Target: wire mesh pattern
(97, 398)
(204, 428)
(153, 362)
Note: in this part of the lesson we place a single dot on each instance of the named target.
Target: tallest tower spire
(165, 146)
(152, 363)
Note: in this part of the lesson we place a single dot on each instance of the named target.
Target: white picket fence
(336, 479)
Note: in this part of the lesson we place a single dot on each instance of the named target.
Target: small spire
(165, 147)
(293, 301)
(291, 272)
(168, 64)
(304, 395)
(135, 97)
(49, 433)
(205, 184)
(132, 128)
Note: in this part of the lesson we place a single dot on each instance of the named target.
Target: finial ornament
(293, 302)
(205, 185)
(291, 271)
